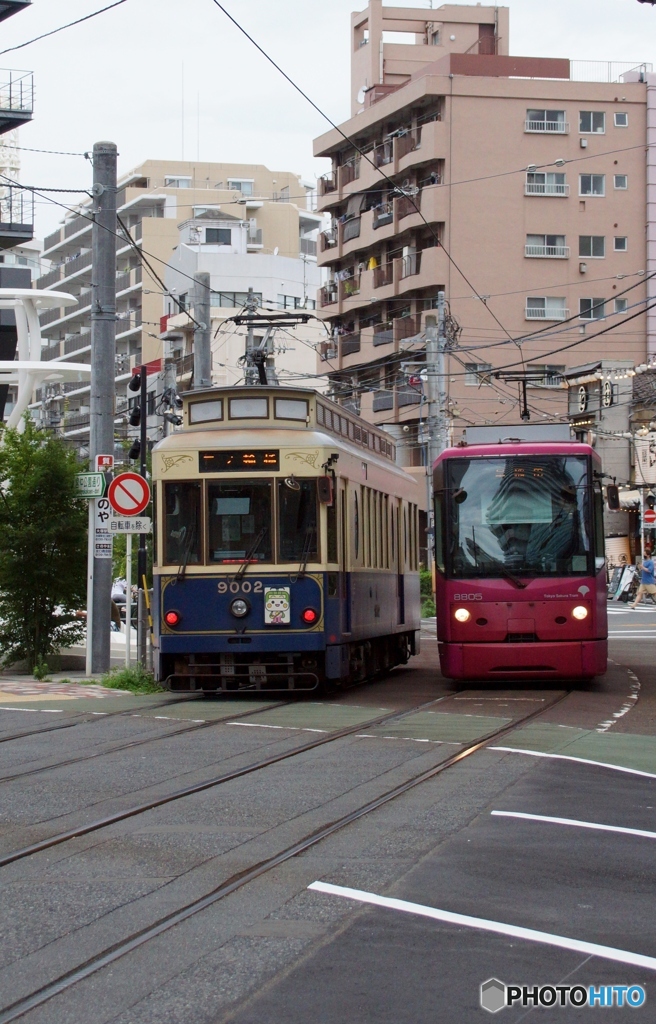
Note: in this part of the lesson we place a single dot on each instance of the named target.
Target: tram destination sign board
(237, 460)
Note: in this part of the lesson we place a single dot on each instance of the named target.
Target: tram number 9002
(246, 587)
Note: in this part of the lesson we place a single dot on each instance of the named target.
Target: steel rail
(128, 744)
(200, 787)
(139, 938)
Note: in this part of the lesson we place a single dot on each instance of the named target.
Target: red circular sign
(129, 494)
(649, 515)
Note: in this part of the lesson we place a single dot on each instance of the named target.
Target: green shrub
(134, 679)
(428, 609)
(426, 584)
(40, 671)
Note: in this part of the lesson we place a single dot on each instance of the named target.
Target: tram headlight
(462, 615)
(580, 612)
(239, 608)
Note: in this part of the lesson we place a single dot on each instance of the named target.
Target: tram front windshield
(524, 515)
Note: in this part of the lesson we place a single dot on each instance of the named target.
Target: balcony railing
(308, 247)
(384, 333)
(350, 229)
(78, 263)
(17, 91)
(550, 313)
(349, 343)
(326, 185)
(383, 400)
(16, 210)
(349, 286)
(384, 154)
(76, 342)
(408, 396)
(349, 172)
(184, 365)
(384, 275)
(410, 265)
(53, 352)
(533, 188)
(328, 239)
(327, 350)
(53, 239)
(406, 327)
(328, 295)
(77, 224)
(553, 252)
(51, 278)
(408, 142)
(254, 237)
(383, 214)
(556, 127)
(50, 316)
(405, 205)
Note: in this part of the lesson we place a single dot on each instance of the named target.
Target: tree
(43, 531)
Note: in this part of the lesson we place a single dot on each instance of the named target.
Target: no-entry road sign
(649, 516)
(129, 494)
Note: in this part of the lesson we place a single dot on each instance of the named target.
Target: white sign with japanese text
(135, 524)
(102, 543)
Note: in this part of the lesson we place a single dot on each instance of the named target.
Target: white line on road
(259, 725)
(621, 956)
(574, 822)
(577, 760)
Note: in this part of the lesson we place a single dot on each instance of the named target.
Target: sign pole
(90, 553)
(128, 596)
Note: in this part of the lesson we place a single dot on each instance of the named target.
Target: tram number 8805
(245, 588)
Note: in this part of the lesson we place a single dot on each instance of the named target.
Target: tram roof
(516, 447)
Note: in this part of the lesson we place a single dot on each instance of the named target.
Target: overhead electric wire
(54, 31)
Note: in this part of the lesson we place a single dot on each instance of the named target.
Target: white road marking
(533, 700)
(259, 725)
(577, 760)
(42, 711)
(628, 705)
(575, 823)
(621, 956)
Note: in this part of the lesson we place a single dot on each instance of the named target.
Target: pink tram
(520, 570)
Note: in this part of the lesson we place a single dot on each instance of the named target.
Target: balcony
(532, 188)
(327, 185)
(406, 205)
(50, 316)
(349, 343)
(409, 265)
(384, 333)
(349, 230)
(547, 127)
(546, 313)
(16, 216)
(383, 214)
(53, 352)
(51, 278)
(349, 286)
(349, 172)
(254, 239)
(551, 252)
(328, 295)
(384, 275)
(383, 400)
(78, 263)
(74, 342)
(308, 247)
(409, 396)
(409, 142)
(16, 99)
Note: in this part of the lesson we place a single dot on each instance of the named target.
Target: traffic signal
(650, 499)
(613, 498)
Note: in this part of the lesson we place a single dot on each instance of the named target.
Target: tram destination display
(236, 461)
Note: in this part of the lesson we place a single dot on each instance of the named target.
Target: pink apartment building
(537, 206)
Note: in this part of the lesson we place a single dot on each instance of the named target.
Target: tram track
(130, 744)
(139, 937)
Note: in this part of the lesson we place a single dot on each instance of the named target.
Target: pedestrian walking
(647, 579)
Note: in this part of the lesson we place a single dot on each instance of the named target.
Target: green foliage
(40, 671)
(134, 679)
(426, 583)
(43, 533)
(428, 608)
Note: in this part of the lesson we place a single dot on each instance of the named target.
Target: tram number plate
(244, 587)
(257, 673)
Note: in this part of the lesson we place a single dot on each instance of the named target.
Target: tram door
(344, 575)
(401, 542)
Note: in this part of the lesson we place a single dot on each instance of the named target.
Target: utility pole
(437, 420)
(103, 365)
(202, 334)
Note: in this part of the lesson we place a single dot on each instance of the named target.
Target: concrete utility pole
(202, 334)
(103, 364)
(142, 553)
(437, 420)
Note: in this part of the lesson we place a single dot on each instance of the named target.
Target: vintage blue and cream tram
(286, 554)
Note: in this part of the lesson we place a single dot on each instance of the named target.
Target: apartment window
(291, 302)
(540, 183)
(620, 243)
(592, 245)
(476, 374)
(233, 300)
(592, 121)
(551, 246)
(546, 307)
(435, 38)
(545, 376)
(592, 184)
(591, 309)
(545, 121)
(245, 187)
(620, 181)
(621, 120)
(621, 305)
(218, 236)
(177, 182)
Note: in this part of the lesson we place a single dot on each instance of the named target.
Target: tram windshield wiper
(308, 544)
(182, 568)
(249, 554)
(513, 579)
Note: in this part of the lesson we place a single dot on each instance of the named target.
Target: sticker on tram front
(277, 606)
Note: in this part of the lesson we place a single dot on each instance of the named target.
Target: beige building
(517, 185)
(272, 211)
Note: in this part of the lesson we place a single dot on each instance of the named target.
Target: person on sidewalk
(647, 579)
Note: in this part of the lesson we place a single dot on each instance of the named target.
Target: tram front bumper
(558, 660)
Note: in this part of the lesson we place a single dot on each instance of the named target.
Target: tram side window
(356, 527)
(600, 552)
(239, 518)
(405, 536)
(438, 533)
(182, 536)
(331, 529)
(298, 536)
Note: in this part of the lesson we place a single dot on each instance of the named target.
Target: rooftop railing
(17, 91)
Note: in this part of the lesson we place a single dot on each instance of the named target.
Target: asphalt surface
(543, 830)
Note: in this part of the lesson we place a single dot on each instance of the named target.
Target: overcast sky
(120, 76)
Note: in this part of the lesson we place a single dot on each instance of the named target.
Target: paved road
(543, 831)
